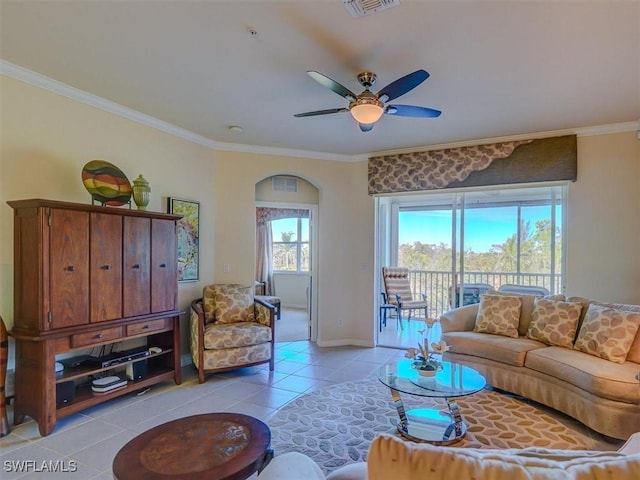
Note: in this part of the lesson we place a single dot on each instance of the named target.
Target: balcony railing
(438, 286)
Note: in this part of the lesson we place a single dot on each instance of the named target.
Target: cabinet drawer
(96, 336)
(147, 327)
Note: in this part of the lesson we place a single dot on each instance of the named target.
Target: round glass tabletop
(454, 380)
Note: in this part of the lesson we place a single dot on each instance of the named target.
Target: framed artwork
(188, 238)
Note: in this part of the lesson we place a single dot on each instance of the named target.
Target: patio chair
(231, 329)
(398, 292)
(471, 293)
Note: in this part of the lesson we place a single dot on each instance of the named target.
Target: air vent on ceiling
(285, 184)
(360, 8)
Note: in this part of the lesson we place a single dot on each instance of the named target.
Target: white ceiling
(498, 68)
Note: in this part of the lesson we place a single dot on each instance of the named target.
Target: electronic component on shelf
(73, 362)
(107, 384)
(117, 358)
(65, 393)
(136, 370)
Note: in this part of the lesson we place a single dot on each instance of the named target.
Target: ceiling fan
(368, 107)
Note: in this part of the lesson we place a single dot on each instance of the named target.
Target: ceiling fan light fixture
(366, 111)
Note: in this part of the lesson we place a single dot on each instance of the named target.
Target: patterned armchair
(230, 329)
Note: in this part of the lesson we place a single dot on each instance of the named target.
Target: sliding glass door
(458, 245)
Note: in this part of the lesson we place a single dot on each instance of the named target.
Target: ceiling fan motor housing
(367, 79)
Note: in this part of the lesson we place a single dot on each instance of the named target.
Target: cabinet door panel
(69, 268)
(106, 267)
(164, 265)
(136, 247)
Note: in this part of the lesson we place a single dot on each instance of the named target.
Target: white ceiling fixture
(367, 108)
(360, 8)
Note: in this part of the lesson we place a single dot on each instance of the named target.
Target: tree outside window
(290, 245)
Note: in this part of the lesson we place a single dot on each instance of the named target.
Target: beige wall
(45, 141)
(345, 229)
(603, 253)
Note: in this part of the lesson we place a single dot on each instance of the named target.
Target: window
(484, 237)
(290, 245)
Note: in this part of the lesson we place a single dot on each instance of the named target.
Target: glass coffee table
(429, 424)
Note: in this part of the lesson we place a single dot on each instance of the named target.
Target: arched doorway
(286, 242)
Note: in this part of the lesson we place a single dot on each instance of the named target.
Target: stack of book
(108, 384)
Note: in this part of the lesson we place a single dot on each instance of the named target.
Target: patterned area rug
(336, 425)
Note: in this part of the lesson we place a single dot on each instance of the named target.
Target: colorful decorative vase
(106, 183)
(141, 192)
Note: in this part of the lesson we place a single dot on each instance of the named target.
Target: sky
(290, 225)
(484, 227)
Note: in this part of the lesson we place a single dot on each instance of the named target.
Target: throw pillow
(634, 351)
(233, 303)
(554, 322)
(498, 315)
(526, 309)
(607, 333)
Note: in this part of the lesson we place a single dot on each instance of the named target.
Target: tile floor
(89, 440)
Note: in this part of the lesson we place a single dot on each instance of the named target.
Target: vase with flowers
(427, 361)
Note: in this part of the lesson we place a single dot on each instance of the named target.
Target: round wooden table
(215, 446)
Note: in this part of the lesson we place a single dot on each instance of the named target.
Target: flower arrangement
(424, 360)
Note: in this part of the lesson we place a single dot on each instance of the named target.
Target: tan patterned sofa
(579, 356)
(391, 458)
(231, 329)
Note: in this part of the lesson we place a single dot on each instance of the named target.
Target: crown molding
(47, 83)
(580, 132)
(28, 76)
(287, 152)
(41, 81)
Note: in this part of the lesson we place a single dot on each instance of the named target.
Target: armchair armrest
(265, 313)
(197, 335)
(459, 319)
(197, 317)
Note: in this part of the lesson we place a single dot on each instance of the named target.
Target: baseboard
(294, 306)
(347, 342)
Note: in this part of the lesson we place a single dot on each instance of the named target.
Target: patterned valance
(267, 214)
(503, 163)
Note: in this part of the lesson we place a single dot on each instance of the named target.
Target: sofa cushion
(607, 333)
(392, 458)
(511, 351)
(232, 357)
(590, 373)
(498, 315)
(634, 351)
(239, 334)
(526, 310)
(554, 322)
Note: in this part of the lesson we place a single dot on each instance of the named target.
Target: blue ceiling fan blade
(412, 111)
(403, 85)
